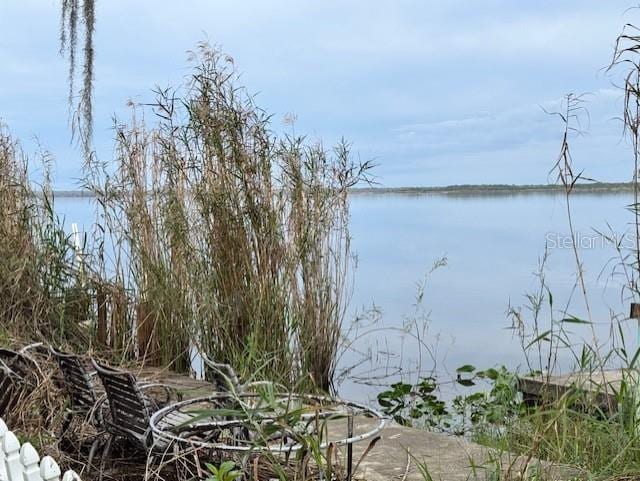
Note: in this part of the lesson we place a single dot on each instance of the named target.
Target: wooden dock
(599, 386)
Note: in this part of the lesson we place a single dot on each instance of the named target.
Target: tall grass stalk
(593, 427)
(211, 233)
(41, 294)
(578, 429)
(224, 235)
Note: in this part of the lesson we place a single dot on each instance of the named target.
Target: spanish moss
(80, 100)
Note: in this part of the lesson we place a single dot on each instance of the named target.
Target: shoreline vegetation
(214, 235)
(455, 189)
(207, 231)
(501, 189)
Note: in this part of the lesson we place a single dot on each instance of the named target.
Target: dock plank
(601, 385)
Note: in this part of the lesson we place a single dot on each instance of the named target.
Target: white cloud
(412, 83)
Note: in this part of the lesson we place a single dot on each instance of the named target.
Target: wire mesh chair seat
(250, 425)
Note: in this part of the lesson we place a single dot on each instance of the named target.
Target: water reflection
(493, 245)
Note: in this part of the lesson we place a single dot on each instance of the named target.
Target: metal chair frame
(130, 408)
(86, 401)
(226, 380)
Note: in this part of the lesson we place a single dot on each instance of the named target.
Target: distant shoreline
(462, 189)
(72, 193)
(498, 189)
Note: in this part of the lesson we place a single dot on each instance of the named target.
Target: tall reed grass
(39, 291)
(211, 233)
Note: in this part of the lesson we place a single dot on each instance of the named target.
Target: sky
(434, 92)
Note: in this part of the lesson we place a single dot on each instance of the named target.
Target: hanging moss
(76, 14)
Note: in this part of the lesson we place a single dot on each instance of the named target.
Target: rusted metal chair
(81, 387)
(87, 400)
(223, 376)
(130, 407)
(8, 381)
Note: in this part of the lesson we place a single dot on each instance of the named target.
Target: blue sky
(436, 92)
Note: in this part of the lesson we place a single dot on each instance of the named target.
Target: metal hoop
(161, 434)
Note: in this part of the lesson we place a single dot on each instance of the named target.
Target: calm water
(493, 245)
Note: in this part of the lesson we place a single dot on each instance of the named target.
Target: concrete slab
(396, 454)
(448, 458)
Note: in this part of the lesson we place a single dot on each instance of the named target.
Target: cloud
(491, 131)
(438, 87)
(516, 145)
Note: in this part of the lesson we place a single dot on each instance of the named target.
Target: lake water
(493, 245)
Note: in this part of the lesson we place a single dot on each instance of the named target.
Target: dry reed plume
(211, 231)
